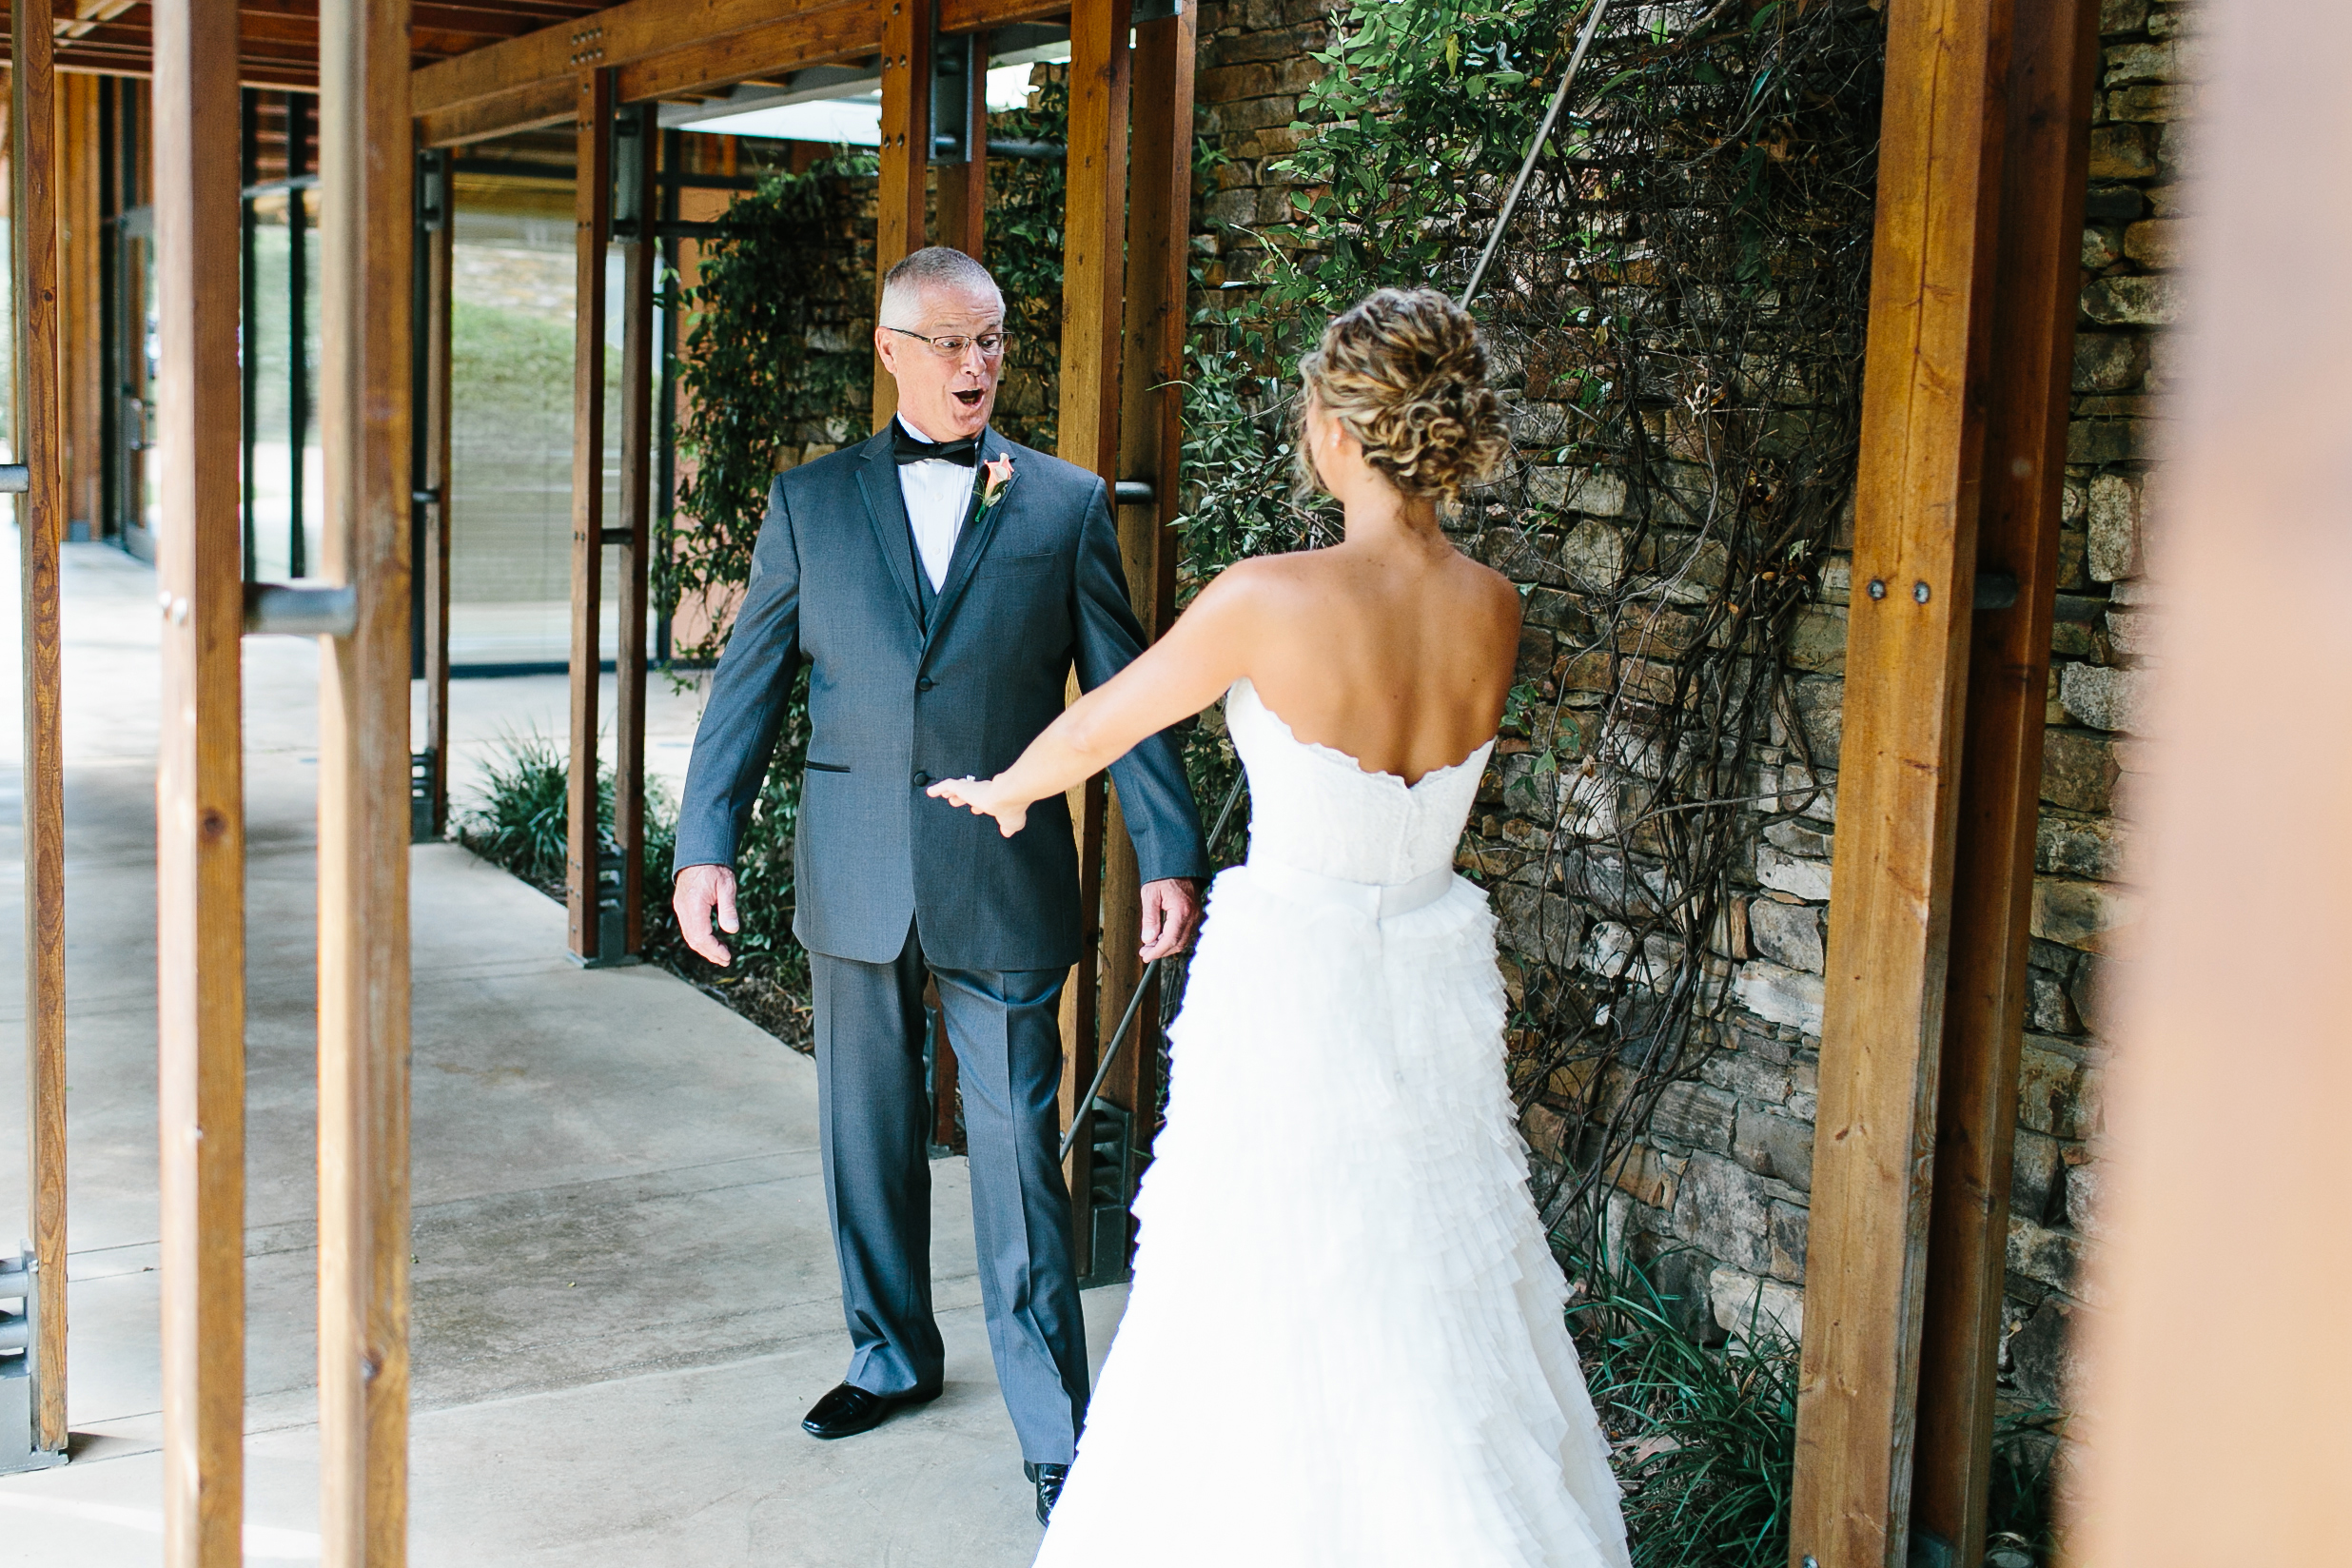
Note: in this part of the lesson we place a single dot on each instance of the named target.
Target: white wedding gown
(1343, 1345)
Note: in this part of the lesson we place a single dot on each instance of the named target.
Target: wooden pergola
(1981, 187)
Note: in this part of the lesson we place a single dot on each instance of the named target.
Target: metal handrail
(1127, 1020)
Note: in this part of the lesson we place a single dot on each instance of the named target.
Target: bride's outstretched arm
(1207, 650)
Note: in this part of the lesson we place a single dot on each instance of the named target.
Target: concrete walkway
(625, 1295)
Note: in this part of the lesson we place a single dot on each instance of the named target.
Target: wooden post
(907, 30)
(200, 795)
(1094, 282)
(299, 399)
(2052, 60)
(249, 304)
(366, 167)
(434, 569)
(40, 519)
(592, 206)
(1159, 222)
(81, 234)
(963, 198)
(641, 253)
(1907, 678)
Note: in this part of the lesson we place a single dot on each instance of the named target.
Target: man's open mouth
(971, 399)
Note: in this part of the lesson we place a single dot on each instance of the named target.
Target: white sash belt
(1381, 901)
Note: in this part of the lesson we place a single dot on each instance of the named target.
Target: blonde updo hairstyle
(1404, 372)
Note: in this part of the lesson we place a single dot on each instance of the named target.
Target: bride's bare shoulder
(1259, 582)
(1494, 597)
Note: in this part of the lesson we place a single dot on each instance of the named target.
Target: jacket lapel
(886, 509)
(974, 542)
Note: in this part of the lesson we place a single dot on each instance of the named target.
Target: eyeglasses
(992, 344)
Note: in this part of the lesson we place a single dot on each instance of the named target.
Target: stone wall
(1725, 1172)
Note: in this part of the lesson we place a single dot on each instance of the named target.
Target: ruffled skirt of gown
(1343, 1344)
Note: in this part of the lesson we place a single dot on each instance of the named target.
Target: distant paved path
(625, 1293)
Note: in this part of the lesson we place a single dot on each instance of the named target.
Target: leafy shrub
(520, 820)
(525, 812)
(1704, 1436)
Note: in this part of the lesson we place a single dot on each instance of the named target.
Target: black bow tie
(908, 449)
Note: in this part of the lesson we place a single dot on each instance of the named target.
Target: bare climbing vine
(1678, 312)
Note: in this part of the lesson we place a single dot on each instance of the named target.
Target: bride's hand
(984, 797)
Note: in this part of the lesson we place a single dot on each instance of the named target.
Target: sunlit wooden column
(367, 164)
(592, 209)
(440, 213)
(1907, 679)
(905, 158)
(80, 236)
(199, 785)
(2054, 52)
(1150, 442)
(642, 257)
(1094, 282)
(41, 521)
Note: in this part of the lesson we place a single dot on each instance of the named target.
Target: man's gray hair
(935, 266)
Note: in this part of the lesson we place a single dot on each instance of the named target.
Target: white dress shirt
(937, 493)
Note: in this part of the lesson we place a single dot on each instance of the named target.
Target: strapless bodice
(1316, 810)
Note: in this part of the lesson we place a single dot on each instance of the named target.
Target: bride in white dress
(1343, 1344)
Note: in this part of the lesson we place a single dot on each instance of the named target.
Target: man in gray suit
(942, 583)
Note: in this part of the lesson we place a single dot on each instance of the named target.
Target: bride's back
(1391, 647)
(1399, 656)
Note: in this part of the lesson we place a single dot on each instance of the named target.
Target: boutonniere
(995, 479)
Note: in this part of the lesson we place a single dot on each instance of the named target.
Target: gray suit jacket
(898, 699)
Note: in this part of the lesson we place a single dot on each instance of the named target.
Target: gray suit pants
(1006, 1030)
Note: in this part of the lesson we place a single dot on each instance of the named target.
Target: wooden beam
(2052, 64)
(984, 16)
(616, 37)
(591, 207)
(642, 257)
(898, 228)
(1158, 232)
(433, 574)
(713, 65)
(40, 520)
(532, 107)
(1907, 678)
(366, 168)
(199, 793)
(1093, 280)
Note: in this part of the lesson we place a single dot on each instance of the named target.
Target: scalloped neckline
(1335, 755)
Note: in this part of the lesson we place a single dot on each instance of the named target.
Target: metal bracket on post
(955, 57)
(420, 798)
(611, 916)
(633, 136)
(19, 1375)
(277, 609)
(16, 478)
(1114, 1190)
(432, 188)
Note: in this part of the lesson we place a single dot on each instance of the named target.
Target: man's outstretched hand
(697, 891)
(1171, 914)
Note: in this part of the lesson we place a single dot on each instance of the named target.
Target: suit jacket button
(925, 684)
(922, 781)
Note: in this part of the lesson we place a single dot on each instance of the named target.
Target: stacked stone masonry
(1724, 1173)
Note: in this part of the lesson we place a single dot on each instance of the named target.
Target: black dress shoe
(849, 1410)
(1048, 1478)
